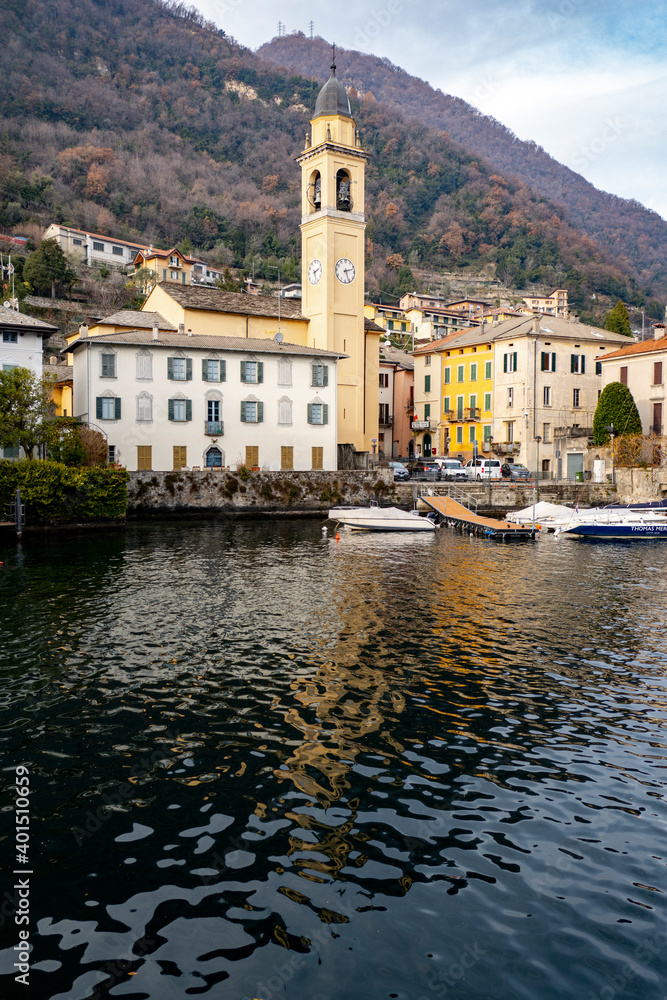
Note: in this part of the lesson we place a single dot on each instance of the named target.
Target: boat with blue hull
(616, 522)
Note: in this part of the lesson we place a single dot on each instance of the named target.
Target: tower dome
(332, 98)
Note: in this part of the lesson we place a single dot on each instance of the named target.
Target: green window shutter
(183, 277)
(515, 365)
(170, 368)
(573, 360)
(583, 364)
(204, 371)
(116, 407)
(188, 409)
(598, 368)
(325, 374)
(98, 407)
(487, 369)
(310, 413)
(543, 366)
(164, 274)
(427, 411)
(553, 362)
(505, 357)
(243, 377)
(448, 375)
(171, 409)
(223, 371)
(473, 373)
(188, 369)
(242, 410)
(427, 383)
(260, 412)
(325, 413)
(260, 371)
(313, 374)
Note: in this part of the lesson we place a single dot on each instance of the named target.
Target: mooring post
(19, 519)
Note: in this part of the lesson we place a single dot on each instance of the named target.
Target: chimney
(156, 332)
(83, 330)
(189, 332)
(53, 360)
(181, 328)
(536, 324)
(658, 331)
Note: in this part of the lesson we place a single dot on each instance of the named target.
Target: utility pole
(311, 27)
(281, 29)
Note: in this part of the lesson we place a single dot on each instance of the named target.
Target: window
(473, 432)
(117, 251)
(318, 413)
(164, 274)
(623, 376)
(144, 457)
(546, 395)
(252, 456)
(173, 275)
(319, 374)
(487, 402)
(428, 359)
(384, 413)
(213, 370)
(384, 380)
(317, 458)
(510, 432)
(173, 261)
(459, 434)
(427, 383)
(252, 411)
(213, 411)
(510, 396)
(107, 365)
(656, 426)
(473, 372)
(286, 457)
(487, 369)
(487, 431)
(446, 405)
(144, 408)
(179, 369)
(77, 243)
(510, 362)
(548, 363)
(285, 372)
(252, 371)
(179, 409)
(98, 246)
(8, 366)
(577, 364)
(657, 373)
(448, 376)
(427, 410)
(459, 407)
(598, 368)
(144, 366)
(460, 373)
(10, 337)
(473, 403)
(111, 454)
(180, 456)
(576, 393)
(284, 411)
(11, 452)
(107, 408)
(546, 433)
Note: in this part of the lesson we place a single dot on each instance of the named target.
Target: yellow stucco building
(467, 395)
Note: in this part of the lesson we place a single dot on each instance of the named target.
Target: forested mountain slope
(143, 121)
(634, 235)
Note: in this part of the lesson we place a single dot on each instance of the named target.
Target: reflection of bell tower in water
(333, 244)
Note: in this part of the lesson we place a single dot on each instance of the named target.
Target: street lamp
(610, 432)
(537, 470)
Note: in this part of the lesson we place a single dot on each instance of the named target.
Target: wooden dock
(454, 512)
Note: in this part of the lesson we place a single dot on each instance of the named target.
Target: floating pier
(454, 510)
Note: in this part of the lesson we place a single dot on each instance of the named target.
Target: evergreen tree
(618, 320)
(47, 266)
(26, 410)
(616, 406)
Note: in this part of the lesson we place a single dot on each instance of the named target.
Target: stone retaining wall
(236, 492)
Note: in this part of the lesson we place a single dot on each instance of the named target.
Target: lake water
(267, 764)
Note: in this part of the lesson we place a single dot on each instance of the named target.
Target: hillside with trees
(633, 235)
(143, 121)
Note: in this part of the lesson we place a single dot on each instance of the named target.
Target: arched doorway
(427, 445)
(213, 458)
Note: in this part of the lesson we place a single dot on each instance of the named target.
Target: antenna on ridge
(311, 26)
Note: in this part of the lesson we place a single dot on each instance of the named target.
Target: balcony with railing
(573, 431)
(507, 447)
(214, 428)
(472, 413)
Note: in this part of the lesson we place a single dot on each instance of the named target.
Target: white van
(483, 468)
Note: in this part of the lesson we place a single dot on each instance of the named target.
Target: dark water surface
(268, 765)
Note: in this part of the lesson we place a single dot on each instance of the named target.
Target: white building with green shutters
(172, 400)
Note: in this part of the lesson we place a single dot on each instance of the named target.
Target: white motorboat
(616, 522)
(546, 515)
(375, 518)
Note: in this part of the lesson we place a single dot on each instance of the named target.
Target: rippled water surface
(266, 764)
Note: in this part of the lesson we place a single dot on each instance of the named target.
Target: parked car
(513, 471)
(483, 468)
(400, 471)
(451, 469)
(424, 469)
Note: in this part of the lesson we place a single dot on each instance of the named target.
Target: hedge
(55, 493)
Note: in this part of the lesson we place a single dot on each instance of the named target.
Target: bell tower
(333, 228)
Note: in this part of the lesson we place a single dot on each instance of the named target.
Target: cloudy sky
(586, 79)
